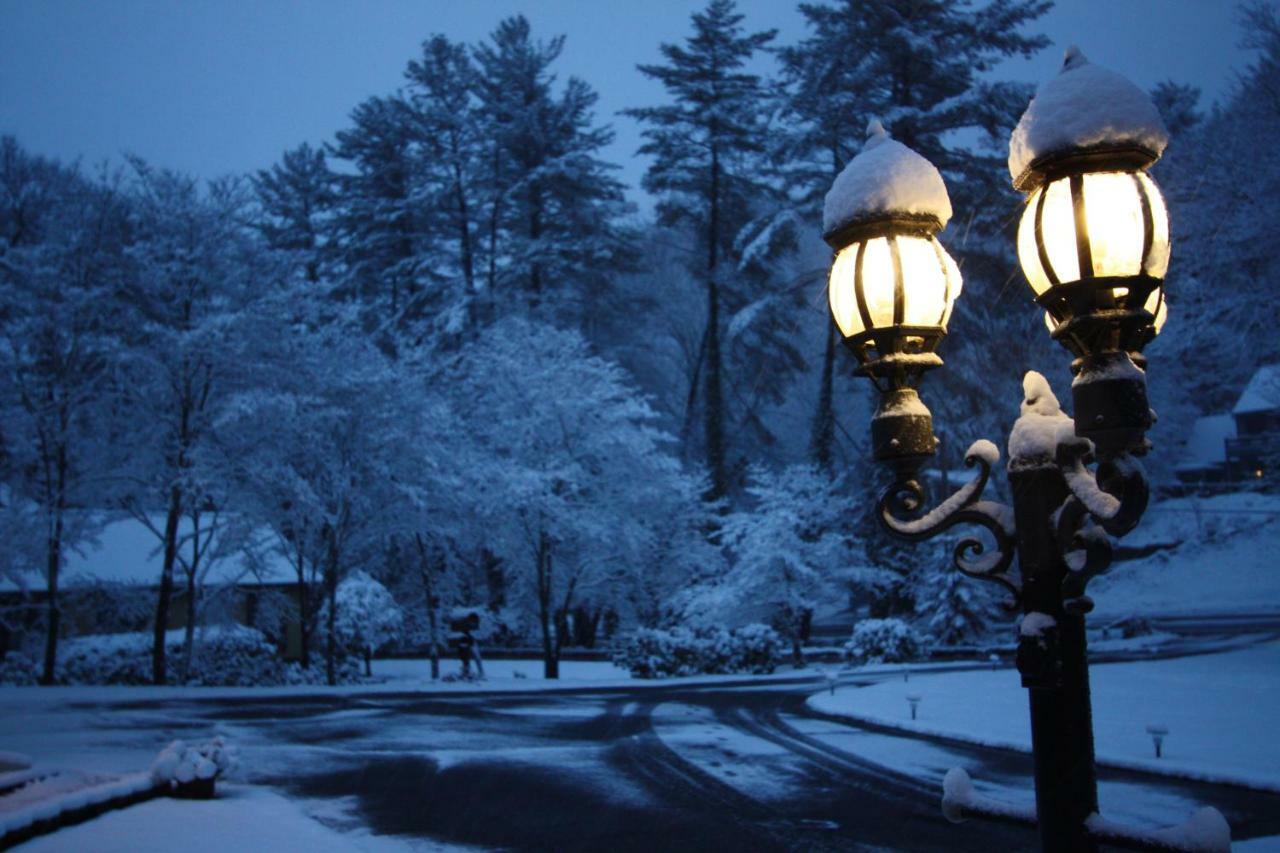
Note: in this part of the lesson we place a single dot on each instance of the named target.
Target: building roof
(1262, 394)
(126, 552)
(1206, 446)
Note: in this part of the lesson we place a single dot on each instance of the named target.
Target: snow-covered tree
(194, 271)
(706, 147)
(297, 199)
(368, 617)
(552, 202)
(445, 126)
(950, 607)
(572, 477)
(378, 227)
(60, 270)
(788, 553)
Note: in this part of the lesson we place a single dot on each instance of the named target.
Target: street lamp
(892, 285)
(1094, 245)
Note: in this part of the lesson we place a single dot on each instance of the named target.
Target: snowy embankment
(1220, 711)
(241, 818)
(1216, 555)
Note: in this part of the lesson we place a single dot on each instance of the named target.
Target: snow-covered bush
(192, 770)
(18, 670)
(368, 616)
(229, 655)
(882, 641)
(658, 653)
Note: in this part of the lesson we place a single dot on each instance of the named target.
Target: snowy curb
(78, 806)
(822, 704)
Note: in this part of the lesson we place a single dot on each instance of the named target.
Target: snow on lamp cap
(1086, 107)
(886, 179)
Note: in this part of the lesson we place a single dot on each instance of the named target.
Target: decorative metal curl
(906, 497)
(1110, 501)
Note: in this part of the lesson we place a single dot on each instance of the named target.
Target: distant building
(1226, 451)
(111, 586)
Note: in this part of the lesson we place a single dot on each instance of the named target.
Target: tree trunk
(824, 419)
(53, 556)
(189, 634)
(714, 412)
(433, 605)
(368, 662)
(304, 611)
(331, 634)
(465, 252)
(550, 646)
(166, 585)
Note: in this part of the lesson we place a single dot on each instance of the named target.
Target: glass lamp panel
(954, 281)
(1157, 307)
(1058, 231)
(877, 282)
(1050, 323)
(1113, 214)
(1028, 254)
(924, 282)
(840, 292)
(1157, 262)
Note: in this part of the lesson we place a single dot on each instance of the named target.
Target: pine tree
(552, 201)
(706, 147)
(378, 225)
(297, 198)
(446, 129)
(951, 608)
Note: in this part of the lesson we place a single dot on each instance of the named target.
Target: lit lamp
(892, 285)
(1094, 238)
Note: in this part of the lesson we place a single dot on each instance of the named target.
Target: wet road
(746, 768)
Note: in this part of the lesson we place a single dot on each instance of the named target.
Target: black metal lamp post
(1094, 244)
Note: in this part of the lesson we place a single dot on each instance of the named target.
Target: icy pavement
(656, 766)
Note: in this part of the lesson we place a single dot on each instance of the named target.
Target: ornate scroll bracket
(1108, 501)
(905, 499)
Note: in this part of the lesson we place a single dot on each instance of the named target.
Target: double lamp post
(1094, 245)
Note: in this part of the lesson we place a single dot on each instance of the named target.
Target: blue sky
(219, 86)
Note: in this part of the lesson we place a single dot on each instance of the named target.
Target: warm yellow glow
(1113, 216)
(1115, 223)
(1028, 254)
(844, 302)
(1050, 323)
(1158, 258)
(1157, 306)
(877, 282)
(1257, 473)
(954, 280)
(931, 282)
(1058, 230)
(925, 278)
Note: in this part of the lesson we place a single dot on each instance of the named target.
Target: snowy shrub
(657, 653)
(18, 670)
(368, 617)
(224, 656)
(882, 641)
(192, 770)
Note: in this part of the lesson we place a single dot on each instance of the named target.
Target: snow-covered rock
(886, 177)
(1085, 106)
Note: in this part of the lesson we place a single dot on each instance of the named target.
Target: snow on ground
(1225, 559)
(526, 672)
(243, 817)
(754, 766)
(1220, 710)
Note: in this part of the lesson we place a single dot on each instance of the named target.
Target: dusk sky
(219, 86)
